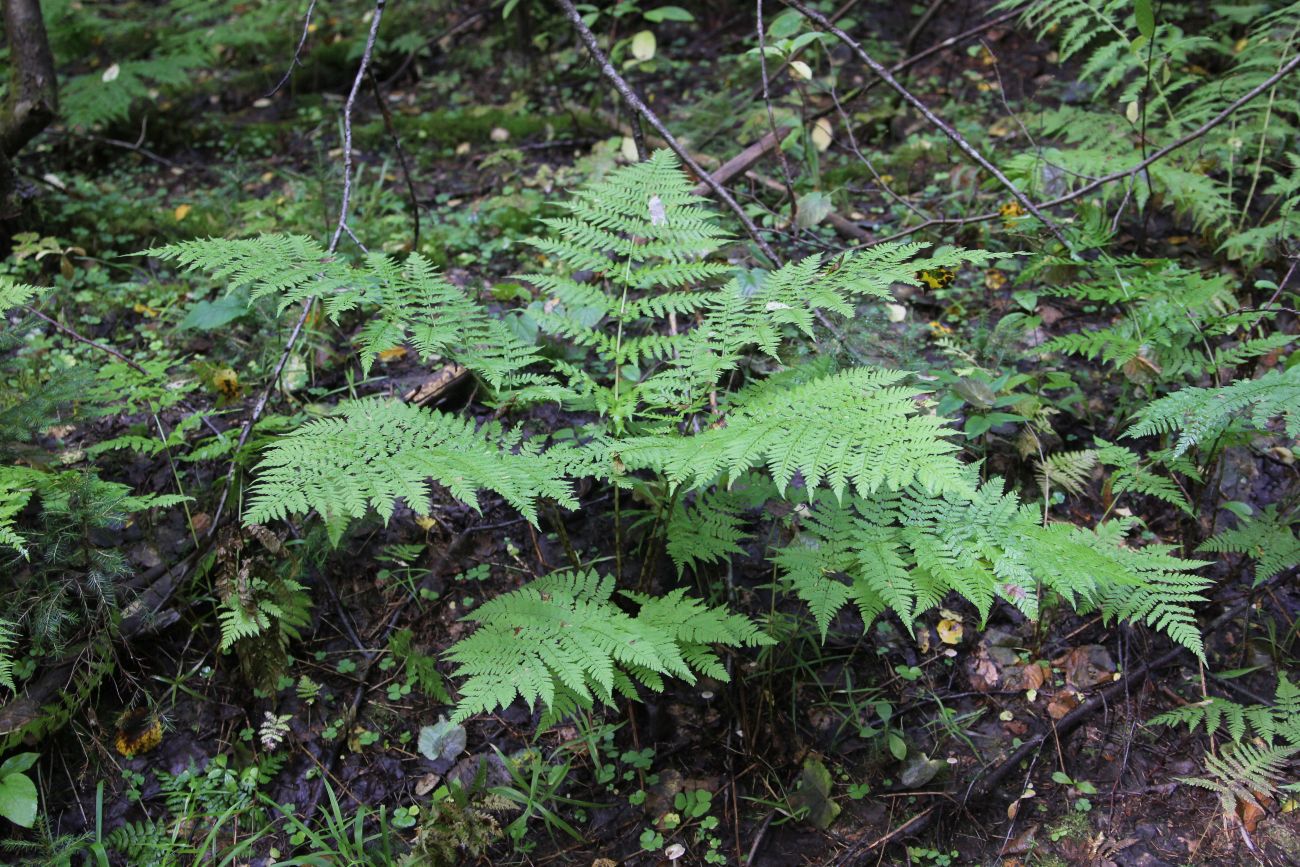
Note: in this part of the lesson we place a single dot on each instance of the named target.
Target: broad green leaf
(18, 800)
(643, 46)
(1146, 18)
(668, 13)
(813, 208)
(210, 315)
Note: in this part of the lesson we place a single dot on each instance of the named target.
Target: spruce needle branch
(340, 227)
(629, 96)
(957, 138)
(94, 344)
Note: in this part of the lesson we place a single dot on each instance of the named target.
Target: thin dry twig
(937, 122)
(296, 60)
(629, 96)
(340, 227)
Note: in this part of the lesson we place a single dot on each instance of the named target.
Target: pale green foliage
(376, 451)
(640, 241)
(14, 294)
(1167, 317)
(1133, 475)
(904, 552)
(261, 605)
(711, 526)
(17, 485)
(1268, 538)
(1269, 722)
(414, 302)
(8, 638)
(1245, 773)
(857, 427)
(1201, 415)
(896, 523)
(1069, 471)
(562, 640)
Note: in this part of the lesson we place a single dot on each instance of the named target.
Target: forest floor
(1007, 742)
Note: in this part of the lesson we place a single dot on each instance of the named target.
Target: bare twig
(955, 137)
(1155, 156)
(401, 160)
(629, 96)
(340, 227)
(296, 60)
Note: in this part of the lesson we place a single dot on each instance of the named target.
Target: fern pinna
(890, 518)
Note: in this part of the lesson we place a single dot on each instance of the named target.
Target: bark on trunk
(33, 98)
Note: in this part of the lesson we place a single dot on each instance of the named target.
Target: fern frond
(1069, 471)
(1244, 773)
(705, 531)
(856, 427)
(377, 451)
(1200, 414)
(561, 637)
(905, 552)
(1132, 476)
(8, 640)
(1268, 722)
(414, 303)
(1268, 538)
(14, 294)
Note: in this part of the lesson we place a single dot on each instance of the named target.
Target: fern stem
(563, 533)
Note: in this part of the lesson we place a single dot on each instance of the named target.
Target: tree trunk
(33, 98)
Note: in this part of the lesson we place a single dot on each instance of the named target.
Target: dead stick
(1192, 136)
(607, 69)
(957, 138)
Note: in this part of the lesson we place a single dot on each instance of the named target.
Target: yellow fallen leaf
(226, 382)
(145, 310)
(182, 211)
(950, 631)
(393, 354)
(424, 522)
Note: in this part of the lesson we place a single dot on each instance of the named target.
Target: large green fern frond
(857, 427)
(1202, 414)
(376, 451)
(906, 551)
(562, 638)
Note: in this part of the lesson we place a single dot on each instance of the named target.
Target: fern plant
(1203, 415)
(1165, 319)
(1154, 84)
(561, 639)
(1268, 538)
(894, 520)
(1257, 763)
